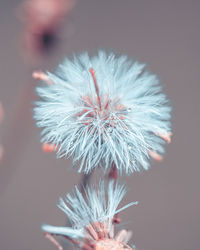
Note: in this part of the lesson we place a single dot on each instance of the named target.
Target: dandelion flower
(104, 110)
(92, 218)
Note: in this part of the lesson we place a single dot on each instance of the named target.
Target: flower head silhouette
(104, 110)
(92, 217)
(42, 20)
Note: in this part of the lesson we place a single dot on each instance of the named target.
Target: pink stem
(96, 86)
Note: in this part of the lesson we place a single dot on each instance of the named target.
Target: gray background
(165, 35)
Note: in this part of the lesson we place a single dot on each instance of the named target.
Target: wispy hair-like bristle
(104, 110)
(99, 204)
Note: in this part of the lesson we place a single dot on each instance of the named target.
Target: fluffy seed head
(91, 216)
(104, 110)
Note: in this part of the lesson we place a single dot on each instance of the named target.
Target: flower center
(110, 244)
(108, 111)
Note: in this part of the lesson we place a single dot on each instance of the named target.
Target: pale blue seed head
(98, 204)
(104, 110)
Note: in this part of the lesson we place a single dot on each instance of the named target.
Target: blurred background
(165, 35)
